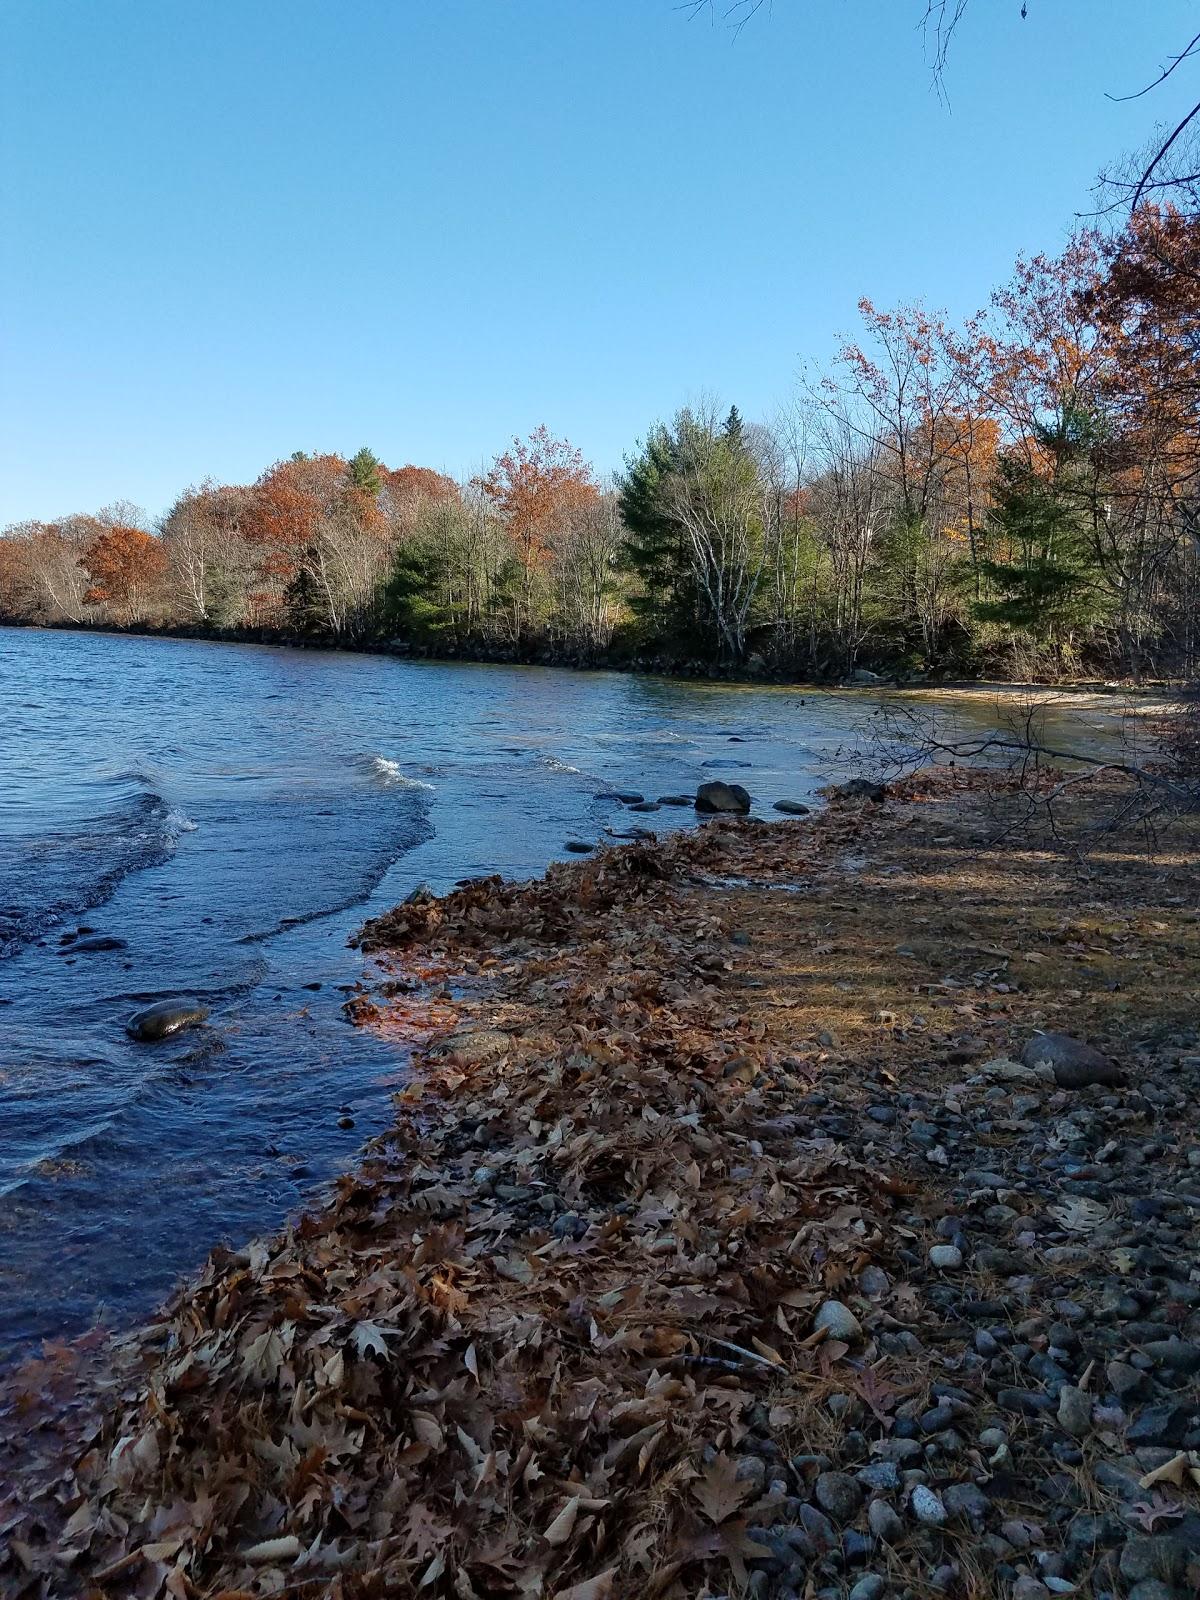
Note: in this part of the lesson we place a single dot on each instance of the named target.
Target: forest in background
(1016, 496)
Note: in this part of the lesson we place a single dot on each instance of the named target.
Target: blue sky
(240, 228)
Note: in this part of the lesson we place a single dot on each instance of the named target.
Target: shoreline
(642, 1290)
(692, 671)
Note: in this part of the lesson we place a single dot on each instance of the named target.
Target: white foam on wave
(177, 821)
(555, 765)
(389, 772)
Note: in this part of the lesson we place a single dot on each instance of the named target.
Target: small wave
(50, 877)
(390, 773)
(555, 765)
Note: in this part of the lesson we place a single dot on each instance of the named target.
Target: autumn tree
(537, 486)
(407, 491)
(124, 566)
(321, 535)
(212, 564)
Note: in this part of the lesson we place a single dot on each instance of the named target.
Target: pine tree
(1045, 570)
(653, 548)
(363, 471)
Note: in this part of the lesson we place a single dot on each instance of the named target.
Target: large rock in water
(723, 797)
(164, 1018)
(1075, 1064)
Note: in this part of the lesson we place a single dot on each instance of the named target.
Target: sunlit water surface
(233, 814)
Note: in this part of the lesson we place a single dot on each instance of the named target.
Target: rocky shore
(651, 661)
(799, 1209)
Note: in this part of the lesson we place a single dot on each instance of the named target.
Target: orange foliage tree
(537, 486)
(323, 539)
(406, 492)
(124, 566)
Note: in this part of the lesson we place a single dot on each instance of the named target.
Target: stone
(946, 1257)
(578, 847)
(163, 1019)
(1074, 1411)
(627, 797)
(1126, 1382)
(644, 805)
(93, 942)
(480, 1044)
(1152, 1589)
(862, 675)
(1027, 1588)
(859, 789)
(839, 1321)
(792, 808)
(722, 797)
(872, 1587)
(1160, 1424)
(675, 800)
(1158, 1555)
(884, 1522)
(1075, 1065)
(880, 1475)
(818, 1528)
(927, 1506)
(1174, 1355)
(967, 1501)
(838, 1494)
(420, 896)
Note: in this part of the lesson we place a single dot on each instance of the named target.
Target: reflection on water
(231, 814)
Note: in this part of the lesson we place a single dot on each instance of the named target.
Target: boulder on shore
(859, 789)
(164, 1018)
(728, 797)
(1075, 1064)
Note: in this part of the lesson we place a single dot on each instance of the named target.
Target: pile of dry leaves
(522, 1350)
(517, 1352)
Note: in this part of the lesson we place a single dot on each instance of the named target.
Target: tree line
(1018, 494)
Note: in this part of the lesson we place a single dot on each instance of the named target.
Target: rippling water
(233, 813)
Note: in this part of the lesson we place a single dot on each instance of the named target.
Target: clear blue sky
(239, 228)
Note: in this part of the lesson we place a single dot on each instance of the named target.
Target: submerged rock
(164, 1018)
(95, 941)
(717, 796)
(675, 800)
(792, 808)
(579, 847)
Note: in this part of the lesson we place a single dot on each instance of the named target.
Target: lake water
(233, 813)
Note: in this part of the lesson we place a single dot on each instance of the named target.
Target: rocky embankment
(791, 1210)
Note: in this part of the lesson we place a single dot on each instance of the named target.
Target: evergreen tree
(1044, 570)
(654, 549)
(363, 471)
